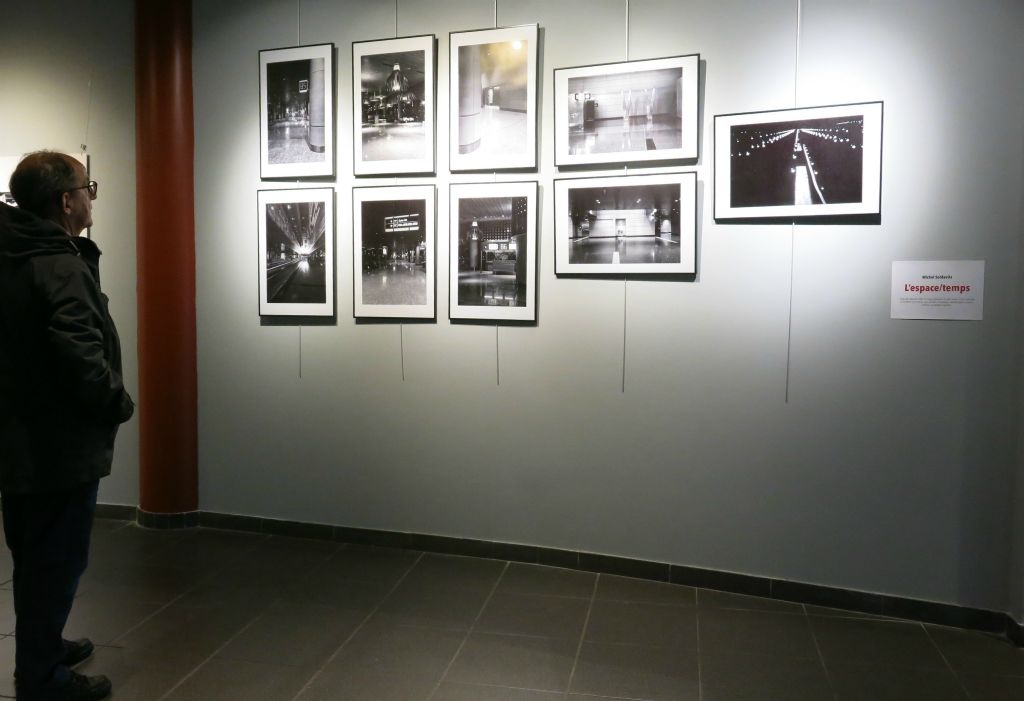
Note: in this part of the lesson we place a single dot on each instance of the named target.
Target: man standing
(61, 401)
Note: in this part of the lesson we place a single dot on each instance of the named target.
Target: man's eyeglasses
(92, 186)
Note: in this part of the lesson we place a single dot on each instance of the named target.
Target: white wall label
(938, 289)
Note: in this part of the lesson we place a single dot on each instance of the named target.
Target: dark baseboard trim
(783, 590)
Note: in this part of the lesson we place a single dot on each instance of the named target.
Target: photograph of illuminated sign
(393, 252)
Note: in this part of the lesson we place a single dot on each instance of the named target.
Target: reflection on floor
(619, 135)
(394, 142)
(502, 133)
(398, 283)
(299, 282)
(632, 249)
(287, 144)
(226, 616)
(490, 290)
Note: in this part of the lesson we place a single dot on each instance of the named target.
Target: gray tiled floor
(216, 615)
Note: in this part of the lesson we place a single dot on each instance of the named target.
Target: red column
(168, 459)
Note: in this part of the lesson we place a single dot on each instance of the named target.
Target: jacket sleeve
(75, 328)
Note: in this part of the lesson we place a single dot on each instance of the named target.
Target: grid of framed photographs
(297, 112)
(634, 111)
(777, 165)
(806, 162)
(492, 251)
(296, 252)
(492, 96)
(626, 224)
(393, 252)
(393, 101)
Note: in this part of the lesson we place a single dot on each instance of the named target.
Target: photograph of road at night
(814, 161)
(806, 162)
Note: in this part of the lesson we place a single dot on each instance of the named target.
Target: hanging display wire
(625, 277)
(792, 227)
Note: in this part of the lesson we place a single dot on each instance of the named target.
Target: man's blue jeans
(48, 535)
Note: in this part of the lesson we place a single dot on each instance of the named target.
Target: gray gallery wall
(891, 468)
(50, 53)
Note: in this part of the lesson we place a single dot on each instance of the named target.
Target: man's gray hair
(40, 179)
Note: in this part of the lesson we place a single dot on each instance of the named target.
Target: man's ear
(65, 203)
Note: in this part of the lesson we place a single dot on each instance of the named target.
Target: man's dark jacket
(61, 394)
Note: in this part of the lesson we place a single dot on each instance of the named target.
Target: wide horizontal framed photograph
(297, 112)
(296, 252)
(805, 162)
(643, 224)
(393, 251)
(633, 111)
(394, 108)
(493, 251)
(493, 99)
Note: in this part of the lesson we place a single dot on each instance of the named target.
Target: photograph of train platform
(297, 258)
(806, 162)
(626, 224)
(493, 251)
(296, 112)
(393, 101)
(632, 111)
(393, 251)
(493, 99)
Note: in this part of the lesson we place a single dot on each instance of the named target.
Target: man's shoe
(76, 687)
(76, 651)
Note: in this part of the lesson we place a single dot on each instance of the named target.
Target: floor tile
(633, 623)
(522, 578)
(455, 571)
(711, 599)
(978, 653)
(338, 591)
(858, 682)
(993, 688)
(180, 637)
(546, 616)
(385, 566)
(637, 672)
(141, 582)
(105, 616)
(293, 634)
(6, 611)
(813, 610)
(205, 550)
(725, 631)
(615, 588)
(433, 605)
(875, 642)
(543, 664)
(471, 692)
(382, 649)
(751, 677)
(232, 680)
(359, 685)
(132, 681)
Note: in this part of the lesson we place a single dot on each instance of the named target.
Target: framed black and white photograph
(493, 251)
(297, 112)
(393, 93)
(296, 252)
(393, 252)
(806, 162)
(493, 99)
(634, 111)
(626, 224)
